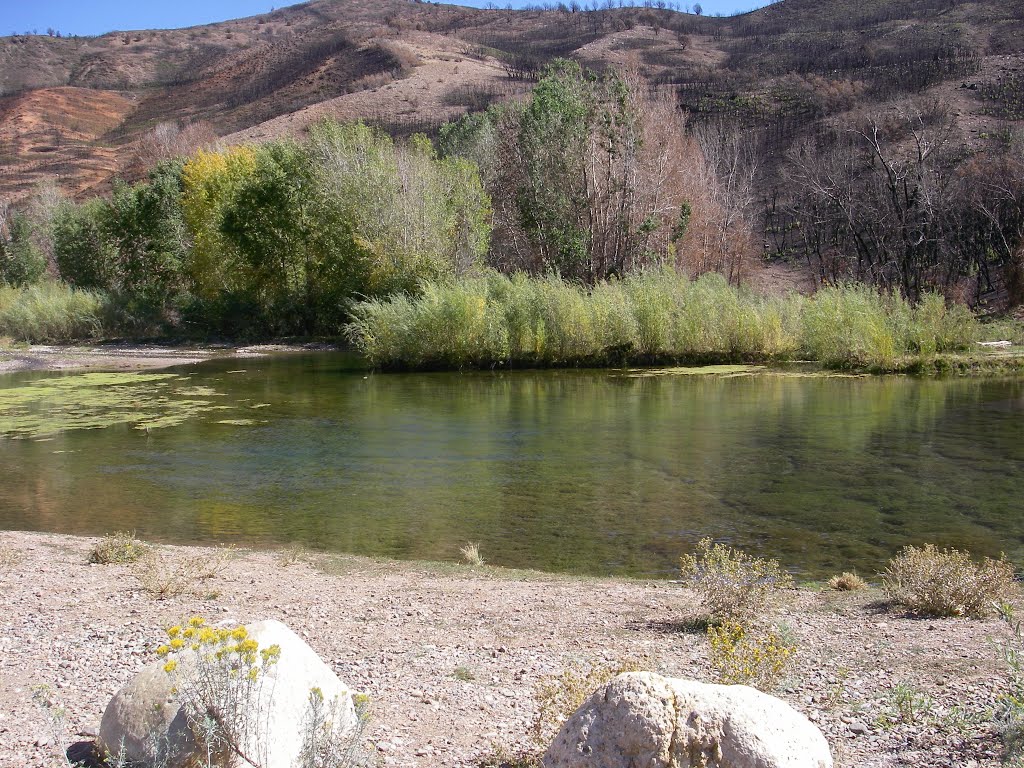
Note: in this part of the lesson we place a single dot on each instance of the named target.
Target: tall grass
(50, 311)
(650, 317)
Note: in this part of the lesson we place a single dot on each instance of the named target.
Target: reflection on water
(589, 471)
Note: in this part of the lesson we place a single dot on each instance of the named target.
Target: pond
(598, 472)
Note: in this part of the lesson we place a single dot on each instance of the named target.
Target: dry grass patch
(471, 554)
(10, 557)
(847, 582)
(164, 575)
(930, 581)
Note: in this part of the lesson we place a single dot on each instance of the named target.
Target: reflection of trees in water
(571, 470)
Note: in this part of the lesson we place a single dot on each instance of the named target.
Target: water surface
(589, 471)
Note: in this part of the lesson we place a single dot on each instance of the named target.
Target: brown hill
(78, 109)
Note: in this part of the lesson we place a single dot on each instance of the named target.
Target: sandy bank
(130, 357)
(450, 655)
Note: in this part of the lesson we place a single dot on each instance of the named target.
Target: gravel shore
(131, 356)
(450, 656)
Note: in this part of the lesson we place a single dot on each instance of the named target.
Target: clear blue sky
(94, 17)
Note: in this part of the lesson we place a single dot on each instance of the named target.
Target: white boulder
(641, 719)
(144, 715)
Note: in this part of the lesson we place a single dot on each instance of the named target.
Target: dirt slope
(76, 109)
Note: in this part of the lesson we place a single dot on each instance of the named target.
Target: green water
(599, 472)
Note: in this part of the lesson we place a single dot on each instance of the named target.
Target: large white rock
(643, 720)
(145, 708)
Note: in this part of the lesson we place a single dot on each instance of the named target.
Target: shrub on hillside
(945, 582)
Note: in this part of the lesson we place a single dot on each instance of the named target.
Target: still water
(601, 472)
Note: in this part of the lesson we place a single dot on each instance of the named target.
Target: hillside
(77, 109)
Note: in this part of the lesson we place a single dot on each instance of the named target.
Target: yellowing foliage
(742, 655)
(209, 180)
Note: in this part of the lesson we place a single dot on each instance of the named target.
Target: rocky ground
(451, 656)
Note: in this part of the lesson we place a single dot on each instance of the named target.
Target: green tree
(21, 262)
(586, 177)
(269, 223)
(209, 182)
(551, 199)
(85, 256)
(144, 223)
(399, 213)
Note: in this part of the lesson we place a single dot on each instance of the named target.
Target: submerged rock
(143, 721)
(644, 719)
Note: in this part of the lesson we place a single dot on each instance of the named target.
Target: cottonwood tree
(585, 176)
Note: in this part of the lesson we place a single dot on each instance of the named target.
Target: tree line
(591, 177)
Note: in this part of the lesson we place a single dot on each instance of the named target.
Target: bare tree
(170, 140)
(723, 195)
(884, 204)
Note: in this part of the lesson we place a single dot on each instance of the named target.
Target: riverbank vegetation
(656, 316)
(588, 224)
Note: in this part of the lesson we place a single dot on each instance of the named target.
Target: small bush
(945, 582)
(293, 554)
(847, 582)
(471, 554)
(164, 575)
(742, 655)
(119, 548)
(1009, 714)
(560, 695)
(906, 704)
(732, 584)
(219, 674)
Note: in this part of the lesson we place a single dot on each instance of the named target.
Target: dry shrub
(293, 554)
(732, 584)
(847, 582)
(560, 695)
(471, 554)
(164, 575)
(119, 548)
(945, 582)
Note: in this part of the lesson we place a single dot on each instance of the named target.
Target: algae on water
(144, 401)
(737, 371)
